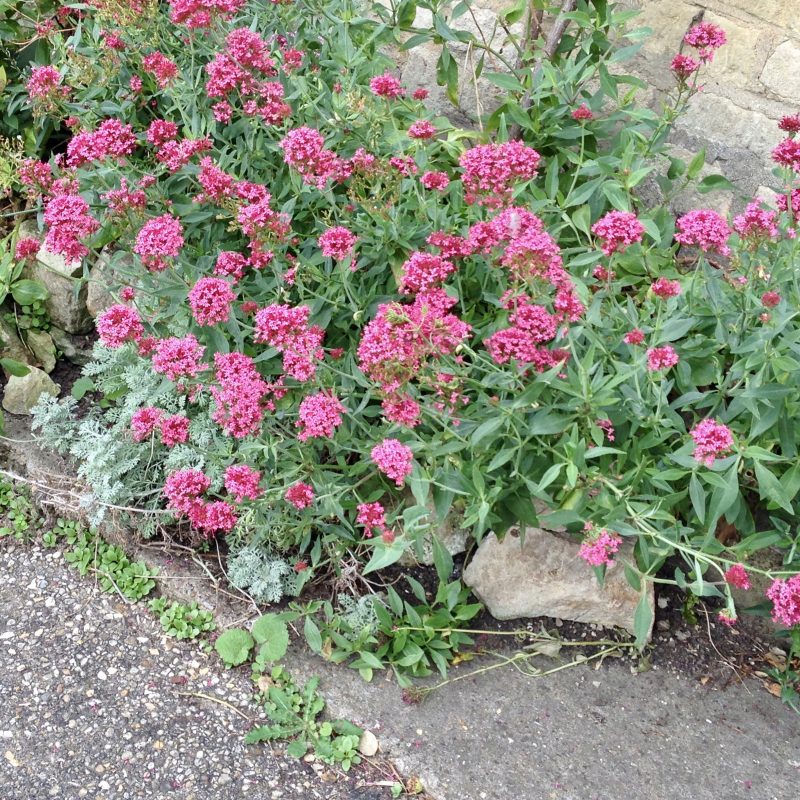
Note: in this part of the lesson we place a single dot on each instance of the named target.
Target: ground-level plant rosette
(369, 322)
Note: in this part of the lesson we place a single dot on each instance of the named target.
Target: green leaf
(698, 496)
(264, 733)
(769, 488)
(297, 749)
(583, 193)
(370, 659)
(505, 81)
(442, 559)
(616, 196)
(406, 13)
(384, 555)
(713, 183)
(696, 164)
(26, 292)
(272, 634)
(501, 458)
(312, 634)
(633, 578)
(643, 619)
(486, 428)
(550, 476)
(234, 646)
(81, 386)
(14, 367)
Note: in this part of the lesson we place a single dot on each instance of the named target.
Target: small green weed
(294, 714)
(18, 517)
(180, 620)
(269, 631)
(114, 570)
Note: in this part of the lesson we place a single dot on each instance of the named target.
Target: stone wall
(753, 81)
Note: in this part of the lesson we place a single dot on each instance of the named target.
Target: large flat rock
(22, 394)
(545, 577)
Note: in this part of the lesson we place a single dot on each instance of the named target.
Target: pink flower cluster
(240, 394)
(161, 68)
(243, 74)
(492, 170)
(386, 85)
(736, 575)
(45, 84)
(706, 38)
(530, 327)
(393, 459)
(600, 547)
(633, 337)
(203, 13)
(424, 271)
(123, 200)
(159, 239)
(787, 154)
(210, 300)
(178, 358)
(437, 181)
(184, 489)
(664, 288)
(661, 358)
(27, 247)
(174, 429)
(230, 264)
(684, 66)
(582, 113)
(404, 340)
(286, 329)
(785, 596)
(112, 139)
(791, 203)
(534, 257)
(705, 229)
(422, 129)
(144, 421)
(68, 222)
(119, 324)
(242, 482)
(372, 516)
(770, 299)
(319, 416)
(161, 131)
(304, 150)
(176, 154)
(756, 223)
(790, 123)
(300, 495)
(337, 242)
(617, 230)
(712, 440)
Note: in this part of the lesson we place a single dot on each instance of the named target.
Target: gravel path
(95, 702)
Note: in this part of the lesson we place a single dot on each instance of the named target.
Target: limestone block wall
(753, 81)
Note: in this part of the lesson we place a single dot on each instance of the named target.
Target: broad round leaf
(273, 636)
(26, 292)
(234, 646)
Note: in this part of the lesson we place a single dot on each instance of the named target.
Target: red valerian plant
(363, 320)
